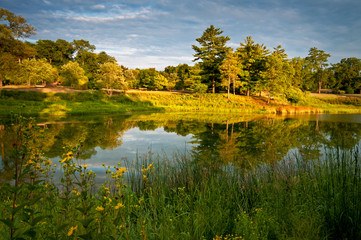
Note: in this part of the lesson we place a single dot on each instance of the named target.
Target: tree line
(251, 69)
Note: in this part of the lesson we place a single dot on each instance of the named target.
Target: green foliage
(294, 95)
(316, 63)
(37, 72)
(73, 75)
(230, 69)
(111, 77)
(212, 51)
(276, 74)
(252, 57)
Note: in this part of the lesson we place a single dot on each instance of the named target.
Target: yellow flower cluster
(72, 230)
(119, 205)
(148, 168)
(119, 172)
(99, 208)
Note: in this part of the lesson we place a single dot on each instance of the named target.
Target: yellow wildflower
(85, 166)
(72, 229)
(119, 205)
(100, 208)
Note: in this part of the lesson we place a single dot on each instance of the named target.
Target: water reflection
(245, 141)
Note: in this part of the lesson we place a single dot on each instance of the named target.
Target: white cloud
(98, 7)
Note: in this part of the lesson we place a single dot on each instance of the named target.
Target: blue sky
(143, 33)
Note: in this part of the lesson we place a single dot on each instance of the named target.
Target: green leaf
(38, 219)
(7, 222)
(31, 233)
(61, 227)
(86, 222)
(5, 235)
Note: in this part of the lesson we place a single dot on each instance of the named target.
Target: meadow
(178, 198)
(33, 103)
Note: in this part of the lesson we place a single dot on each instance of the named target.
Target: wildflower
(72, 229)
(100, 208)
(119, 205)
(121, 226)
(85, 166)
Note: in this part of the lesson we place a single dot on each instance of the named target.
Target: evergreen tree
(211, 52)
(230, 69)
(317, 62)
(252, 57)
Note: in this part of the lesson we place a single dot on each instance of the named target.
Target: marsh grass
(160, 197)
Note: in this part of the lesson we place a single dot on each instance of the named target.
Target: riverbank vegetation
(179, 198)
(34, 103)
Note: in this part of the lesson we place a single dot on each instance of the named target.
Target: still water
(242, 140)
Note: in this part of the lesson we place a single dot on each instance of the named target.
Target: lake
(244, 141)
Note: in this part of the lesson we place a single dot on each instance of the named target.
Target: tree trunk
(234, 86)
(229, 85)
(1, 81)
(319, 86)
(247, 92)
(213, 85)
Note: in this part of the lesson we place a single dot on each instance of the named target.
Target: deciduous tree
(38, 72)
(73, 75)
(112, 77)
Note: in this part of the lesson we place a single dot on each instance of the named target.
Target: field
(63, 101)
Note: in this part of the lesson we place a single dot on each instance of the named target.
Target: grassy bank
(181, 199)
(88, 102)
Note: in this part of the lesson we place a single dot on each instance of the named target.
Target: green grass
(180, 198)
(95, 102)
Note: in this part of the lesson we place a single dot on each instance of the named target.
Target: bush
(349, 90)
(294, 95)
(23, 95)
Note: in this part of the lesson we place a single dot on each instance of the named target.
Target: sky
(144, 33)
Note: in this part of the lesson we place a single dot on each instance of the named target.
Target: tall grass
(178, 198)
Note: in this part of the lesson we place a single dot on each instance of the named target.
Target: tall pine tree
(211, 52)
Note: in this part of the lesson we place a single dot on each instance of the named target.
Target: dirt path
(334, 95)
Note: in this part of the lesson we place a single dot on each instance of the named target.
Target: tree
(73, 75)
(46, 49)
(298, 65)
(252, 56)
(194, 80)
(347, 73)
(275, 77)
(112, 77)
(64, 52)
(317, 61)
(212, 52)
(230, 69)
(172, 81)
(12, 28)
(38, 72)
(130, 76)
(15, 26)
(160, 82)
(82, 47)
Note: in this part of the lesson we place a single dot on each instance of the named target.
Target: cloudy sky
(144, 33)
